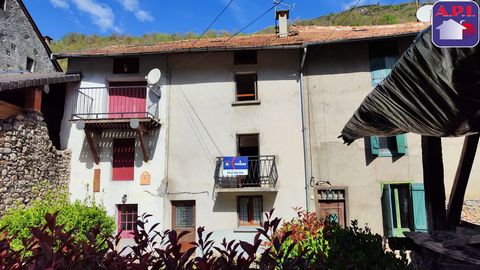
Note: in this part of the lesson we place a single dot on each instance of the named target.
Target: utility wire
(213, 22)
(255, 20)
(238, 32)
(344, 18)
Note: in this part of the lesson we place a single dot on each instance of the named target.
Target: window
(404, 208)
(389, 146)
(245, 58)
(123, 159)
(30, 64)
(3, 5)
(126, 65)
(331, 204)
(127, 218)
(246, 86)
(383, 56)
(250, 210)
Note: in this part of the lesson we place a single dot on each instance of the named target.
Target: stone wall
(29, 161)
(471, 211)
(18, 41)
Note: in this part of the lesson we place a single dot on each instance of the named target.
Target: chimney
(281, 21)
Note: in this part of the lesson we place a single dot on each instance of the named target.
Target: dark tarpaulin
(431, 91)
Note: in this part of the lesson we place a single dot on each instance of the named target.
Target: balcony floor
(248, 190)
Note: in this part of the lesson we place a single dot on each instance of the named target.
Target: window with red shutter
(127, 219)
(123, 159)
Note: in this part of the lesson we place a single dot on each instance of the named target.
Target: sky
(137, 17)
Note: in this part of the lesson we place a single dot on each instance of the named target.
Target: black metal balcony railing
(95, 103)
(262, 172)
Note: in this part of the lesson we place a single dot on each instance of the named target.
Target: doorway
(248, 145)
(183, 219)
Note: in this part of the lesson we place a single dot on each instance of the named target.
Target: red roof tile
(300, 35)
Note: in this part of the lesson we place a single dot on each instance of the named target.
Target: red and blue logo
(455, 23)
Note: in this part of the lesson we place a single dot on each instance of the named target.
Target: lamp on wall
(124, 198)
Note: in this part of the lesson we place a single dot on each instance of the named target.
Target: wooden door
(183, 219)
(127, 100)
(332, 211)
(123, 163)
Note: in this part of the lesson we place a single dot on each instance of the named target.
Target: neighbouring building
(32, 91)
(280, 100)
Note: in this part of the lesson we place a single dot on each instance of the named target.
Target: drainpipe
(302, 104)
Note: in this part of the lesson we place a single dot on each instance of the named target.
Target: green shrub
(79, 216)
(325, 243)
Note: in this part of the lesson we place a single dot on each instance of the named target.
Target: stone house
(32, 88)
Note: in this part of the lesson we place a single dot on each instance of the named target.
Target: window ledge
(246, 229)
(246, 103)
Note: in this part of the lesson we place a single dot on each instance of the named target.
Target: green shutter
(402, 144)
(374, 145)
(419, 211)
(387, 209)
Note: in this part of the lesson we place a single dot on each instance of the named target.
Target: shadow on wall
(104, 144)
(227, 202)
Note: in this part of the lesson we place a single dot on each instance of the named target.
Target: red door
(127, 99)
(123, 159)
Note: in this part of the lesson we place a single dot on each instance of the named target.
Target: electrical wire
(238, 32)
(213, 22)
(255, 20)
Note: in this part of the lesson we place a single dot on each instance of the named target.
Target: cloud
(100, 14)
(134, 7)
(60, 3)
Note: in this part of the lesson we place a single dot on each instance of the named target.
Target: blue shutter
(401, 144)
(419, 211)
(374, 145)
(387, 209)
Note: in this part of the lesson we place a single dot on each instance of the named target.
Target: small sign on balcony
(233, 166)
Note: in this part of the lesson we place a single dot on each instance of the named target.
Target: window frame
(250, 211)
(400, 149)
(131, 209)
(416, 220)
(255, 85)
(132, 64)
(32, 68)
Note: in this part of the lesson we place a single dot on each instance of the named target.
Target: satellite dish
(424, 13)
(134, 123)
(154, 76)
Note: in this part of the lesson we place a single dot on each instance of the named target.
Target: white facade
(97, 72)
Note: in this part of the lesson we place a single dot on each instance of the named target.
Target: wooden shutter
(387, 209)
(402, 144)
(96, 180)
(123, 159)
(419, 211)
(374, 145)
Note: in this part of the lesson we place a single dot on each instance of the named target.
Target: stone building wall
(18, 41)
(471, 211)
(28, 161)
